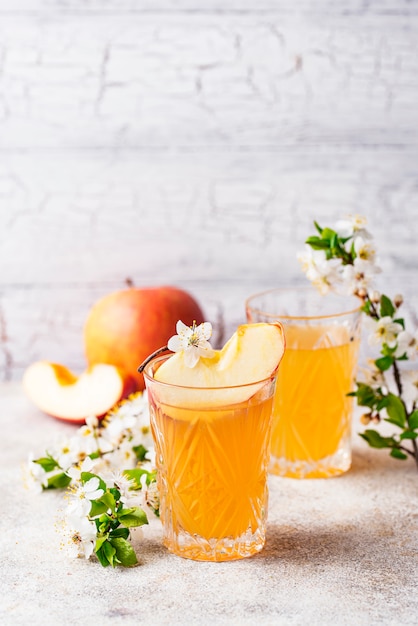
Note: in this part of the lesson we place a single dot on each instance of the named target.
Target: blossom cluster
(105, 502)
(343, 259)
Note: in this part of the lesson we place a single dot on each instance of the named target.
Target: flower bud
(365, 419)
(375, 297)
(361, 293)
(398, 300)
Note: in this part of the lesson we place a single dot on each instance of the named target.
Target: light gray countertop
(339, 551)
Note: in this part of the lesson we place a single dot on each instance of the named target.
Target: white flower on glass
(322, 272)
(351, 225)
(193, 340)
(410, 386)
(83, 535)
(407, 344)
(385, 331)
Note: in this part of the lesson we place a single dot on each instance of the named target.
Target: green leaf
(398, 454)
(99, 542)
(318, 228)
(382, 404)
(375, 440)
(367, 307)
(317, 244)
(409, 434)
(47, 463)
(413, 420)
(59, 481)
(386, 307)
(333, 242)
(384, 363)
(101, 555)
(387, 350)
(119, 532)
(328, 233)
(97, 508)
(400, 321)
(134, 516)
(124, 551)
(366, 395)
(115, 493)
(140, 451)
(109, 500)
(109, 551)
(396, 411)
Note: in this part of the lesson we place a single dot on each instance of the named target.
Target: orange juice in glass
(212, 454)
(311, 433)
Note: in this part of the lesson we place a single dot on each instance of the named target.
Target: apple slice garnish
(231, 376)
(60, 393)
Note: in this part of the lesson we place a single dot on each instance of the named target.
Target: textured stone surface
(340, 551)
(193, 143)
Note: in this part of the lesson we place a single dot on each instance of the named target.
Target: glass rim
(284, 316)
(172, 385)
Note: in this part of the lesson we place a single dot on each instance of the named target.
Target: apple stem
(152, 356)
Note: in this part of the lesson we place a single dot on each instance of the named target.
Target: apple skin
(125, 327)
(56, 391)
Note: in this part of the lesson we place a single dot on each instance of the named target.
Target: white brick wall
(193, 143)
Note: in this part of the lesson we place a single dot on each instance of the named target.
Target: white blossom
(386, 331)
(407, 345)
(83, 494)
(85, 466)
(83, 535)
(410, 386)
(193, 341)
(373, 376)
(150, 494)
(36, 476)
(322, 272)
(364, 250)
(67, 452)
(353, 224)
(124, 485)
(358, 276)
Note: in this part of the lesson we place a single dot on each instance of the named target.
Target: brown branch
(152, 356)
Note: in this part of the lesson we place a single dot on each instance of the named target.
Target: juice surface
(311, 409)
(212, 467)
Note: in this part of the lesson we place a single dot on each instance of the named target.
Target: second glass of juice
(212, 460)
(311, 434)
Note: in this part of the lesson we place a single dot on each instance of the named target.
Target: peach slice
(251, 355)
(60, 393)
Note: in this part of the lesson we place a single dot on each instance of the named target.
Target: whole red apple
(125, 327)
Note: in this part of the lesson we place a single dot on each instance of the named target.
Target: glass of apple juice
(212, 452)
(312, 414)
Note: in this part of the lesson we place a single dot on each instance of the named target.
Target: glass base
(332, 465)
(226, 549)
